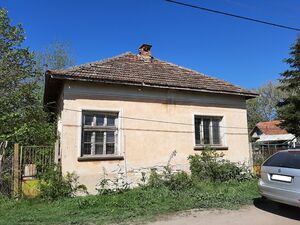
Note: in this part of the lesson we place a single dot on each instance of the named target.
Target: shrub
(155, 180)
(179, 181)
(117, 185)
(53, 185)
(211, 166)
(173, 181)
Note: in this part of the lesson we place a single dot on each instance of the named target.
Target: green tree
(57, 55)
(289, 108)
(263, 107)
(22, 118)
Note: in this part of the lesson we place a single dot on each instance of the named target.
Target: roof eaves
(76, 78)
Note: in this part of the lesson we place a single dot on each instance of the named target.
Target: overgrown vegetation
(135, 204)
(211, 166)
(173, 181)
(54, 186)
(213, 183)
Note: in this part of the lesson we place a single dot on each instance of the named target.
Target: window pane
(99, 120)
(110, 148)
(87, 136)
(111, 120)
(288, 159)
(110, 136)
(206, 123)
(99, 136)
(216, 131)
(88, 120)
(197, 131)
(99, 149)
(87, 149)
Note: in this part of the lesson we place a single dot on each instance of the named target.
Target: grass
(138, 204)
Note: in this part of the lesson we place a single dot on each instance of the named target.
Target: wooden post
(16, 171)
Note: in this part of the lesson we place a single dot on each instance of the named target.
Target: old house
(269, 135)
(133, 112)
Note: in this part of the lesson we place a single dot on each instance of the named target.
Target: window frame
(201, 130)
(102, 128)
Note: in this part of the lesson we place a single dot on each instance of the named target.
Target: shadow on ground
(279, 209)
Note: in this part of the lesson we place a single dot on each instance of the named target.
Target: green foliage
(22, 118)
(289, 108)
(263, 107)
(173, 181)
(210, 166)
(116, 185)
(56, 56)
(55, 186)
(135, 205)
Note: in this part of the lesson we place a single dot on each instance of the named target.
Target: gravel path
(261, 213)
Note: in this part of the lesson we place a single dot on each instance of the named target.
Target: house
(133, 112)
(269, 135)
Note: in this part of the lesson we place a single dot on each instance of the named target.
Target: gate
(35, 160)
(20, 167)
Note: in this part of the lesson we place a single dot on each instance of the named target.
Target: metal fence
(6, 167)
(20, 163)
(35, 160)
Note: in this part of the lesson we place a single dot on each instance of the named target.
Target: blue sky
(244, 53)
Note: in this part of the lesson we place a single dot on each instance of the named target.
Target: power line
(166, 122)
(233, 15)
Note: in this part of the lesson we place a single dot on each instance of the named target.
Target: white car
(280, 177)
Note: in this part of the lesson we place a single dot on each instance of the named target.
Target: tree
(22, 118)
(55, 56)
(289, 108)
(263, 107)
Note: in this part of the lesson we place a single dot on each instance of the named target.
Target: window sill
(211, 147)
(100, 158)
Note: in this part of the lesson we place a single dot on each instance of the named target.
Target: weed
(211, 166)
(54, 186)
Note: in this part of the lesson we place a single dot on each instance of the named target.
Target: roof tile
(130, 68)
(271, 127)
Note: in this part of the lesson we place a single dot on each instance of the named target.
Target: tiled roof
(131, 69)
(271, 127)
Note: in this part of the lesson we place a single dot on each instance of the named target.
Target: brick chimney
(145, 53)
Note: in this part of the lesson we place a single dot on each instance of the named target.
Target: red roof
(271, 127)
(129, 68)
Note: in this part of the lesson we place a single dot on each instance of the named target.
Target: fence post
(16, 171)
(251, 163)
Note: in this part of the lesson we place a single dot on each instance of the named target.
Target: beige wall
(143, 141)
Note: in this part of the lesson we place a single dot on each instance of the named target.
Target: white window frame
(211, 117)
(117, 150)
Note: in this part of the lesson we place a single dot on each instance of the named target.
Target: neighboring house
(130, 113)
(271, 135)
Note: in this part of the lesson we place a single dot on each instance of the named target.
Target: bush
(211, 166)
(117, 185)
(173, 181)
(53, 185)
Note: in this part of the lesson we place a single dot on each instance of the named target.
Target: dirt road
(261, 213)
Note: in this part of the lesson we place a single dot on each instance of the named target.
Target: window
(99, 133)
(287, 159)
(207, 130)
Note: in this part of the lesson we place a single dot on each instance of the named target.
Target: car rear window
(288, 159)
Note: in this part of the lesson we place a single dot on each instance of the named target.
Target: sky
(244, 53)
